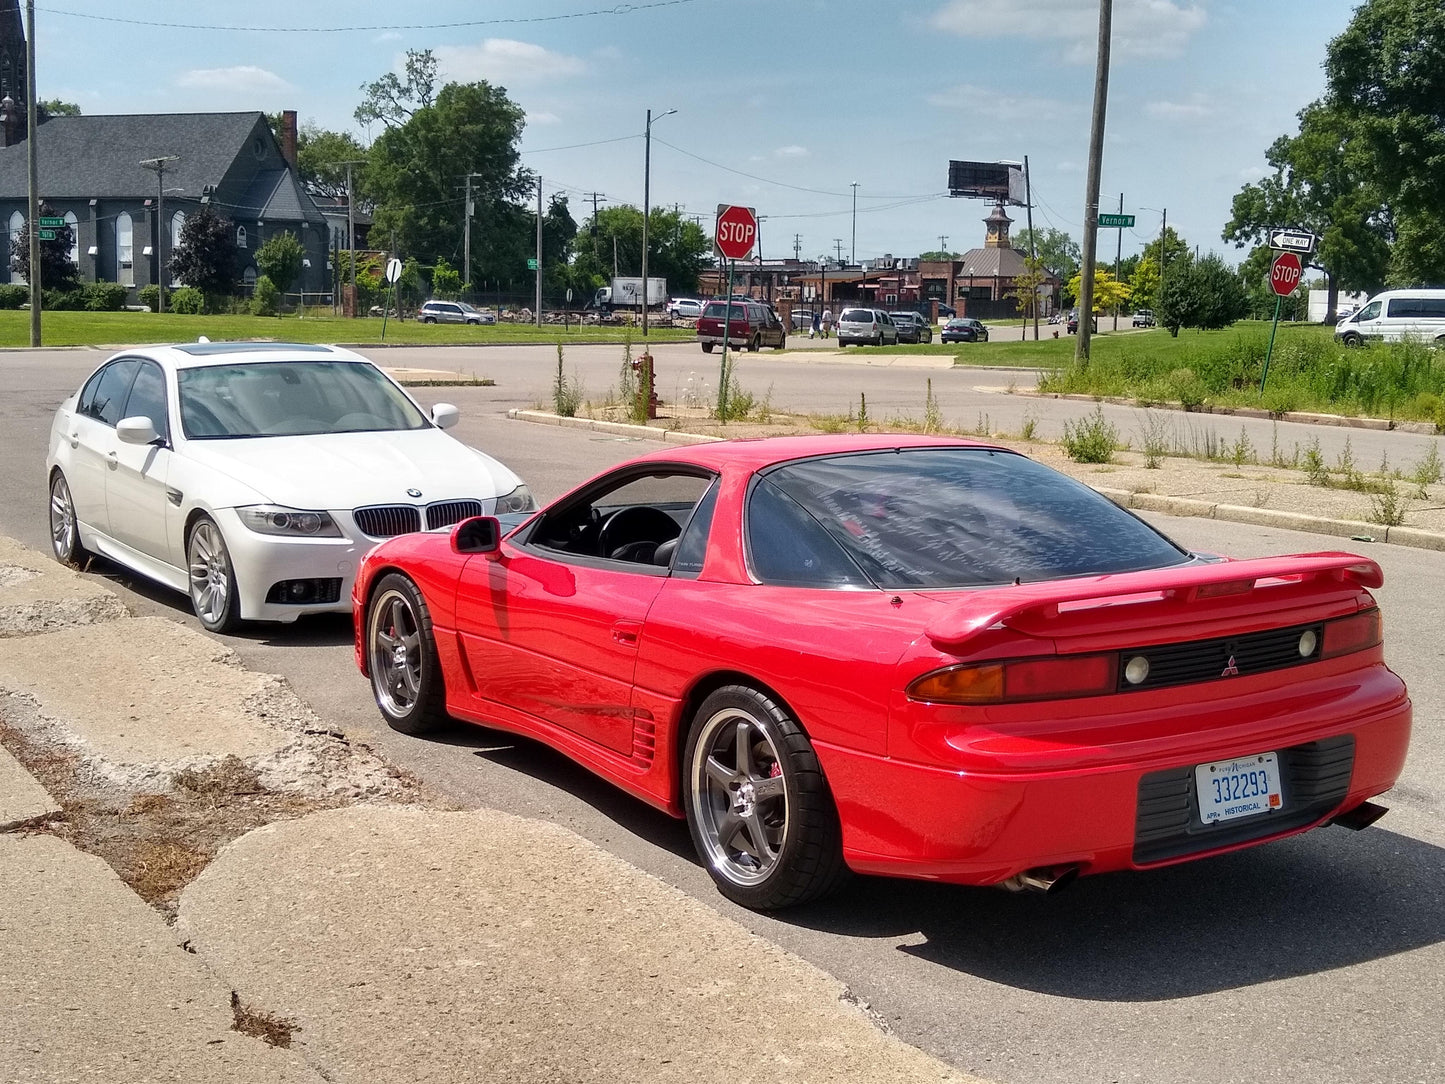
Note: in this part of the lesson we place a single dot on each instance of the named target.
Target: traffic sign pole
(1278, 301)
(722, 379)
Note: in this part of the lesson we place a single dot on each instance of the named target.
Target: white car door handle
(75, 439)
(113, 460)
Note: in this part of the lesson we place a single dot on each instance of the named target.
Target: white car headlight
(291, 522)
(519, 500)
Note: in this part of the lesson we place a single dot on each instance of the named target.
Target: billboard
(987, 180)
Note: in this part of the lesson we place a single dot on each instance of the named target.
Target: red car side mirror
(479, 534)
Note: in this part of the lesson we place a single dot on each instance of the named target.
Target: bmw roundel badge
(413, 492)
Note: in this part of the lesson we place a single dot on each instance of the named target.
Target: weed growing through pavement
(1314, 464)
(1030, 427)
(1091, 439)
(1242, 450)
(567, 395)
(1155, 433)
(932, 412)
(1427, 471)
(862, 412)
(1386, 505)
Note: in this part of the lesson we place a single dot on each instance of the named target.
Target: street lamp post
(646, 200)
(159, 165)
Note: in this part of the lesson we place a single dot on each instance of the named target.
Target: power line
(619, 9)
(575, 146)
(769, 180)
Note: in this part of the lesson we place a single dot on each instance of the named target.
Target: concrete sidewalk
(345, 924)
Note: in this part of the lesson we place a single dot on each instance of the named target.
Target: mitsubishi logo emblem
(1231, 670)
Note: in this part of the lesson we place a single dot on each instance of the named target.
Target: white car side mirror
(137, 430)
(444, 415)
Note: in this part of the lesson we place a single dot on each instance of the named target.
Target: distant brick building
(978, 282)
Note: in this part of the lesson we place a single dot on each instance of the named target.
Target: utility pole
(1033, 255)
(943, 245)
(467, 235)
(539, 251)
(838, 247)
(351, 225)
(31, 134)
(1091, 197)
(1163, 232)
(594, 197)
(159, 165)
(853, 255)
(797, 245)
(646, 198)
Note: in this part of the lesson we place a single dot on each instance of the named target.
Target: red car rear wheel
(760, 812)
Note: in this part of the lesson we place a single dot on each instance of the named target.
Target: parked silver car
(453, 312)
(866, 327)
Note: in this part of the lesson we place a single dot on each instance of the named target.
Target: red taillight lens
(1347, 634)
(1051, 678)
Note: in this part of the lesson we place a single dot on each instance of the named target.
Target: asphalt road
(1318, 958)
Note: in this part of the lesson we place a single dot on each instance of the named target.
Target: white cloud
(1069, 167)
(1195, 109)
(386, 36)
(996, 104)
(1253, 173)
(543, 117)
(243, 79)
(505, 62)
(792, 150)
(1140, 28)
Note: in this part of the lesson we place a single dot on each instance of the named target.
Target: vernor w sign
(736, 233)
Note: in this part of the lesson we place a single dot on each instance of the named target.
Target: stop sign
(1285, 273)
(737, 231)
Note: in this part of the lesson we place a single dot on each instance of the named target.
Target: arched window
(73, 253)
(178, 221)
(17, 229)
(240, 236)
(248, 276)
(124, 250)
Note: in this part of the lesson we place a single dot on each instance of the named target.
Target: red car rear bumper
(976, 827)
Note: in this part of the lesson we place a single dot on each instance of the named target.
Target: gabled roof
(985, 263)
(89, 156)
(274, 195)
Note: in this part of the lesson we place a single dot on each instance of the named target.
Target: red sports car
(897, 655)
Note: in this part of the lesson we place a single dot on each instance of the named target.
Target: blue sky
(798, 98)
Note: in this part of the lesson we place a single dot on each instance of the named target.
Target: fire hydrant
(647, 383)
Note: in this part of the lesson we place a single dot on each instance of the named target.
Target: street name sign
(1285, 273)
(1291, 240)
(737, 231)
(531, 263)
(1121, 222)
(51, 222)
(47, 235)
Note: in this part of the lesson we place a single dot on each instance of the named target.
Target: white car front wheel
(212, 578)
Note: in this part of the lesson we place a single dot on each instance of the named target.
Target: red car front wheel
(402, 657)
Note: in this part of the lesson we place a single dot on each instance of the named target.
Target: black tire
(878, 339)
(401, 653)
(428, 319)
(766, 845)
(1353, 340)
(707, 348)
(782, 342)
(212, 578)
(64, 526)
(755, 344)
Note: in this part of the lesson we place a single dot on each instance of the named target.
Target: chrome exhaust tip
(1045, 879)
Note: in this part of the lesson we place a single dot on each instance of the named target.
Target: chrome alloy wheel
(210, 573)
(63, 530)
(396, 654)
(739, 796)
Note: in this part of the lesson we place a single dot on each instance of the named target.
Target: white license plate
(1238, 788)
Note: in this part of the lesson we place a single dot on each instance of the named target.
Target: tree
(678, 249)
(54, 107)
(321, 155)
(445, 280)
(416, 165)
(1175, 247)
(279, 259)
(206, 255)
(937, 254)
(1025, 292)
(1144, 284)
(1205, 293)
(1317, 185)
(57, 270)
(1385, 80)
(1056, 250)
(1108, 291)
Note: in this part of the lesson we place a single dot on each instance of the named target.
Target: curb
(1303, 417)
(1413, 537)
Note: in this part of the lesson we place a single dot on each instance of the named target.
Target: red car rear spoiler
(1034, 609)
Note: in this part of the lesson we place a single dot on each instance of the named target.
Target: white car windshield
(292, 398)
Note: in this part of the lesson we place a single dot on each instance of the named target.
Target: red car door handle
(626, 632)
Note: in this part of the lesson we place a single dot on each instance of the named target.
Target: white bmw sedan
(254, 476)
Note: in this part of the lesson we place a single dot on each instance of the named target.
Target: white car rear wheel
(64, 528)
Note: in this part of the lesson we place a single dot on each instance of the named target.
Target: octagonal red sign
(737, 231)
(1285, 273)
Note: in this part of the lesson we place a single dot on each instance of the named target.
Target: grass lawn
(1005, 348)
(127, 328)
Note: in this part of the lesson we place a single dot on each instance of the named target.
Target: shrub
(104, 296)
(63, 300)
(266, 299)
(150, 297)
(188, 301)
(1092, 439)
(12, 296)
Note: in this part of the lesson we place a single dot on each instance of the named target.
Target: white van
(1395, 315)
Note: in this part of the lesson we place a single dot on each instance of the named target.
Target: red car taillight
(1347, 634)
(1019, 680)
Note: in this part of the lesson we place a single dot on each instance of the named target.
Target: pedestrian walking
(817, 324)
(827, 322)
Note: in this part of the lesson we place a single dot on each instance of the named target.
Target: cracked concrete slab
(539, 956)
(21, 797)
(95, 988)
(38, 594)
(143, 691)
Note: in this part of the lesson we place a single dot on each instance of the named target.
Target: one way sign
(1291, 240)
